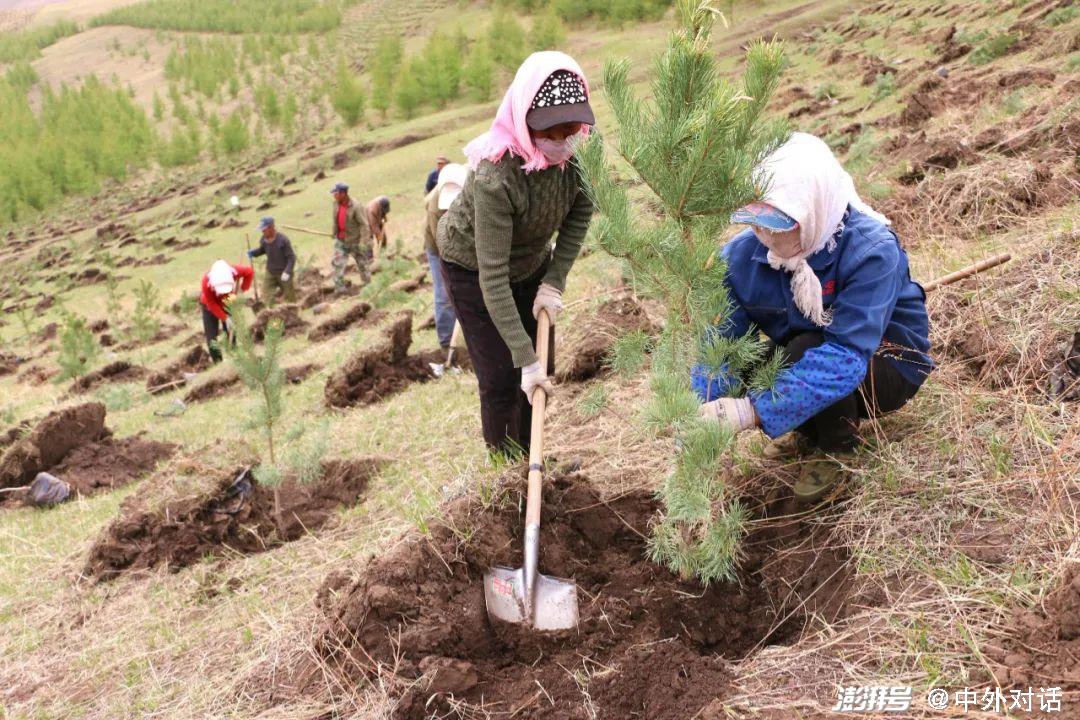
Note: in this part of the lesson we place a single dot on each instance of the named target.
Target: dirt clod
(50, 442)
(214, 387)
(289, 315)
(373, 374)
(115, 372)
(339, 323)
(583, 353)
(237, 517)
(671, 641)
(194, 360)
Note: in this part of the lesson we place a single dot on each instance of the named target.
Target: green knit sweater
(502, 225)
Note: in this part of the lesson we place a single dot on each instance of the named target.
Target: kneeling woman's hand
(738, 413)
(532, 377)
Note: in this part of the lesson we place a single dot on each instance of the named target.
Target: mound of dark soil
(1044, 643)
(195, 360)
(36, 375)
(9, 363)
(110, 463)
(582, 353)
(325, 293)
(50, 442)
(233, 516)
(214, 387)
(651, 645)
(115, 372)
(299, 373)
(339, 323)
(289, 315)
(371, 375)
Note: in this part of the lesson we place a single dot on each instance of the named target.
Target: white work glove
(737, 413)
(285, 277)
(550, 298)
(532, 377)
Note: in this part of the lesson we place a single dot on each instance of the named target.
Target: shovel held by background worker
(523, 595)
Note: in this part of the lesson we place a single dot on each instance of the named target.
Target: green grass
(28, 44)
(231, 16)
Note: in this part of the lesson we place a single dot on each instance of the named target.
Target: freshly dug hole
(582, 353)
(50, 441)
(194, 360)
(115, 372)
(648, 645)
(75, 445)
(156, 529)
(339, 323)
(289, 315)
(373, 374)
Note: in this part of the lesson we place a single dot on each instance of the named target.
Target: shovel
(523, 595)
(439, 369)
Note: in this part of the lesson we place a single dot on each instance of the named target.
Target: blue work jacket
(876, 308)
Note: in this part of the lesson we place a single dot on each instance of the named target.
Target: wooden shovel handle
(536, 442)
(305, 230)
(968, 271)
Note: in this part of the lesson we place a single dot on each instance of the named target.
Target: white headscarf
(222, 278)
(807, 182)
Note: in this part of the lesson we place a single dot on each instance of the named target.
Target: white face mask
(556, 151)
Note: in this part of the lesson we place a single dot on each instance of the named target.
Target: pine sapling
(694, 147)
(263, 375)
(144, 319)
(78, 348)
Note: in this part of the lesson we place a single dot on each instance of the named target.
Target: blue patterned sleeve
(833, 370)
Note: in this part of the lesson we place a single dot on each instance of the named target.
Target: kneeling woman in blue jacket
(823, 276)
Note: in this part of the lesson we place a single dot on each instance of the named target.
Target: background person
(438, 201)
(219, 286)
(377, 210)
(824, 277)
(495, 240)
(280, 262)
(433, 176)
(352, 237)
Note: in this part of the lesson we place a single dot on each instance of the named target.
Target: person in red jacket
(219, 285)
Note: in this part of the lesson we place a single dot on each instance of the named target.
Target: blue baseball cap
(764, 215)
(266, 222)
(339, 187)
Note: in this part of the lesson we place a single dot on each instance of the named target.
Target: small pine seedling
(78, 348)
(694, 147)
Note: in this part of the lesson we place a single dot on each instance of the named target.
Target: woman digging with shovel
(495, 240)
(824, 277)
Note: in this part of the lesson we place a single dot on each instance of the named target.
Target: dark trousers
(883, 390)
(505, 414)
(212, 327)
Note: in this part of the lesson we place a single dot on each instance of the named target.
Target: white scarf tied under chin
(807, 182)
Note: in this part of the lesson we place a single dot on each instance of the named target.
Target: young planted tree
(694, 147)
(479, 71)
(263, 375)
(144, 318)
(78, 348)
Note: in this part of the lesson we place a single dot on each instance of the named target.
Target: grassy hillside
(945, 561)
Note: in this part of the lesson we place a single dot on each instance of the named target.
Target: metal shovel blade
(554, 605)
(437, 369)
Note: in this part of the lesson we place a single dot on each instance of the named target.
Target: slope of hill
(948, 560)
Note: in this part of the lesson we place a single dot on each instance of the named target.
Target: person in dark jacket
(219, 286)
(495, 241)
(280, 263)
(433, 176)
(823, 276)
